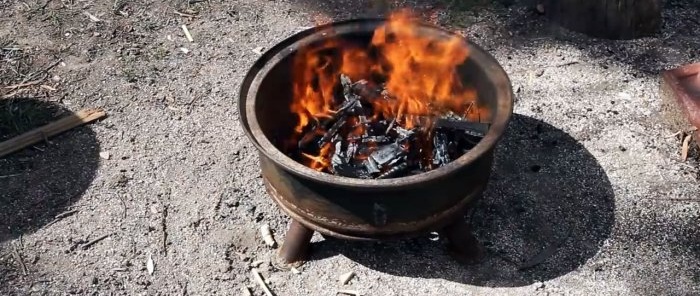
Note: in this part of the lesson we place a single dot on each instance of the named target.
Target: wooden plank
(49, 130)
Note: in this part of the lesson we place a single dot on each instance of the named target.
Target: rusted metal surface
(295, 248)
(680, 92)
(364, 209)
(357, 213)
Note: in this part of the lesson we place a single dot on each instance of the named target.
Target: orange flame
(418, 71)
(321, 161)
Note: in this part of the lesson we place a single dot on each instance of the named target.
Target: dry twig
(187, 33)
(150, 266)
(184, 14)
(24, 84)
(258, 278)
(61, 216)
(165, 229)
(686, 147)
(91, 16)
(346, 277)
(94, 241)
(246, 291)
(18, 258)
(349, 292)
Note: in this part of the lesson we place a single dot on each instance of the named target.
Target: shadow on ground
(42, 181)
(548, 208)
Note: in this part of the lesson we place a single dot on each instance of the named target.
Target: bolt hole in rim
(248, 99)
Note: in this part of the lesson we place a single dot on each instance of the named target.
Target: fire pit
(391, 202)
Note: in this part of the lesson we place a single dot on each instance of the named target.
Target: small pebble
(104, 155)
(538, 285)
(540, 8)
(434, 236)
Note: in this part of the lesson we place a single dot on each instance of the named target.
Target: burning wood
(396, 108)
(362, 148)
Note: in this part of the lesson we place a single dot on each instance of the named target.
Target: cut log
(611, 19)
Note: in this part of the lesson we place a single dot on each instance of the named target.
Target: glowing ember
(378, 111)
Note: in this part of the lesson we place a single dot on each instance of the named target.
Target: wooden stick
(246, 291)
(24, 84)
(94, 241)
(349, 292)
(57, 127)
(61, 216)
(261, 282)
(187, 33)
(686, 147)
(18, 258)
(346, 277)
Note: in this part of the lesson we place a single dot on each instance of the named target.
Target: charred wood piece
(385, 154)
(376, 139)
(331, 132)
(367, 92)
(352, 171)
(369, 146)
(476, 129)
(371, 166)
(440, 152)
(404, 134)
(351, 152)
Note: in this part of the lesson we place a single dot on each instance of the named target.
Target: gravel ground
(588, 195)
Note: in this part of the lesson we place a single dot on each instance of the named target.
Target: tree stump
(611, 19)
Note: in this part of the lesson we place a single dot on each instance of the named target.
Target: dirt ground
(588, 195)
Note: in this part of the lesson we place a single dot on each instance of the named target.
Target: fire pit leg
(462, 244)
(295, 248)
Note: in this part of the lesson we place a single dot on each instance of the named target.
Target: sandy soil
(588, 195)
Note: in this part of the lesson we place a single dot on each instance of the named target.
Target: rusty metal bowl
(357, 208)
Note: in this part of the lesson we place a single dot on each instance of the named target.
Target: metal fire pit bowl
(362, 209)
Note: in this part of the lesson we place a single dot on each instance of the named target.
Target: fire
(419, 73)
(319, 162)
